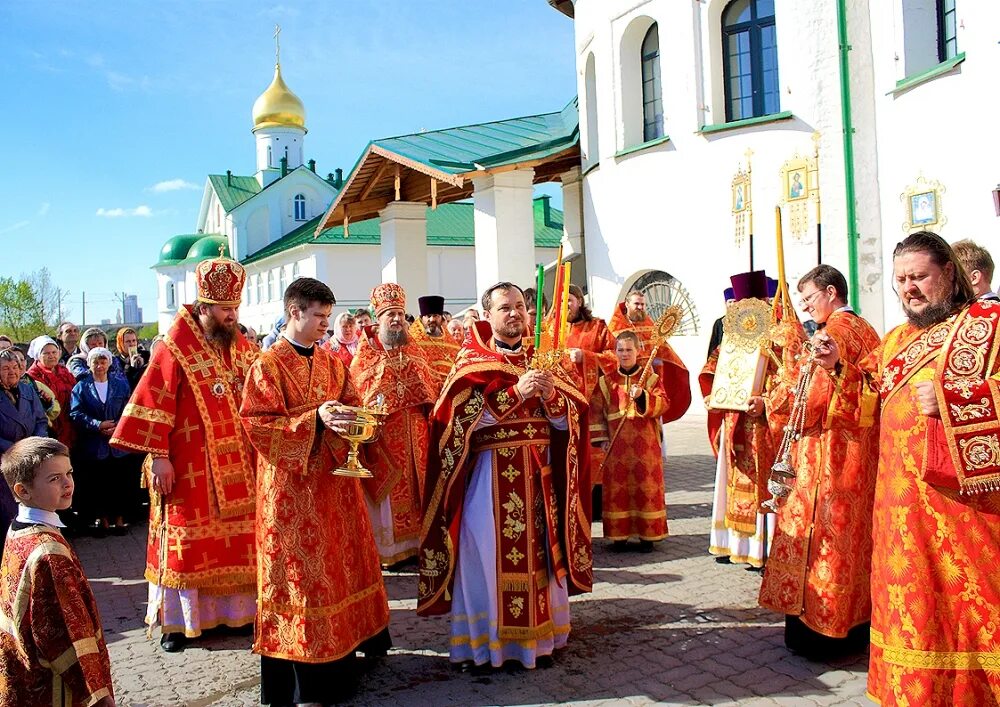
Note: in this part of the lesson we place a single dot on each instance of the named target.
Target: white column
(403, 226)
(505, 229)
(572, 189)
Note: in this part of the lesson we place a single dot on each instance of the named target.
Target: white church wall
(668, 206)
(938, 129)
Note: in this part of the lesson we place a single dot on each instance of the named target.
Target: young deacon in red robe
(391, 364)
(935, 586)
(819, 566)
(320, 591)
(52, 649)
(184, 413)
(627, 411)
(506, 534)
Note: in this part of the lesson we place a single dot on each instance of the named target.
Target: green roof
(176, 248)
(449, 225)
(233, 190)
(207, 247)
(459, 150)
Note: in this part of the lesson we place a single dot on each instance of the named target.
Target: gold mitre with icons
(739, 374)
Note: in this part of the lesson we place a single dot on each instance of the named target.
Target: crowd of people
(861, 475)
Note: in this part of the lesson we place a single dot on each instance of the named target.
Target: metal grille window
(750, 61)
(652, 94)
(947, 30)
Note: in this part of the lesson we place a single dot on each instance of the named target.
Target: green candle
(539, 285)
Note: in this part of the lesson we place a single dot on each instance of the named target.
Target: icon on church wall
(796, 184)
(923, 208)
(739, 199)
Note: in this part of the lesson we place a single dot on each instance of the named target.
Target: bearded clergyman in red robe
(935, 586)
(438, 346)
(391, 366)
(184, 414)
(320, 591)
(506, 534)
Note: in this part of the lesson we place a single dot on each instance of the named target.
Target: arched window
(590, 98)
(750, 59)
(300, 207)
(282, 281)
(269, 163)
(270, 286)
(295, 271)
(947, 30)
(171, 295)
(652, 95)
(260, 289)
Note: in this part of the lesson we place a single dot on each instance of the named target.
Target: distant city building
(105, 322)
(132, 313)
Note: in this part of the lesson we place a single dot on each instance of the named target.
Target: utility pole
(83, 314)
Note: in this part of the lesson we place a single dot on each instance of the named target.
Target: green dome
(207, 247)
(176, 249)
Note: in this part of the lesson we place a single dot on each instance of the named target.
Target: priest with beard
(184, 414)
(392, 366)
(506, 533)
(429, 334)
(935, 582)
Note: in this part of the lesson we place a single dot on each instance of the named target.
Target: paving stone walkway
(672, 627)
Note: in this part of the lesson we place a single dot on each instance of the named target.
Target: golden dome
(278, 107)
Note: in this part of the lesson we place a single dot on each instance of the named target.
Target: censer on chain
(783, 472)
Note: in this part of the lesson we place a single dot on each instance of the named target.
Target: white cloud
(14, 227)
(141, 210)
(172, 185)
(44, 208)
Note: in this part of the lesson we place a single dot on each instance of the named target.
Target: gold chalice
(362, 428)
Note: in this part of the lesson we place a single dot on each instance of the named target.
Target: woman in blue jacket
(104, 476)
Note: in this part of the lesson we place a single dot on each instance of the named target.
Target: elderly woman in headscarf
(106, 478)
(92, 337)
(47, 370)
(344, 341)
(48, 398)
(132, 357)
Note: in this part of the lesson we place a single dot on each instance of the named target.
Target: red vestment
(439, 352)
(634, 501)
(398, 457)
(668, 366)
(594, 339)
(541, 516)
(935, 636)
(320, 590)
(186, 408)
(819, 563)
(52, 649)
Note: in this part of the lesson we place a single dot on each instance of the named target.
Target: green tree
(22, 310)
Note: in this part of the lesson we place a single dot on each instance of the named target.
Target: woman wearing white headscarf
(105, 482)
(77, 363)
(46, 369)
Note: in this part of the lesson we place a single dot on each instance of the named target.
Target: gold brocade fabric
(634, 501)
(185, 408)
(819, 563)
(439, 352)
(320, 590)
(935, 573)
(52, 649)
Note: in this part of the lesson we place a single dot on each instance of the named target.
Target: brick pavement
(671, 627)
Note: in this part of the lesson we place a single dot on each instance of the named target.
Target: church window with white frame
(750, 59)
(282, 281)
(270, 286)
(652, 93)
(260, 288)
(171, 295)
(300, 207)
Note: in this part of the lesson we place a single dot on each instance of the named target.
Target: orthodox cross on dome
(277, 45)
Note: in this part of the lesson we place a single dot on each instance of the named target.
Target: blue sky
(117, 111)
